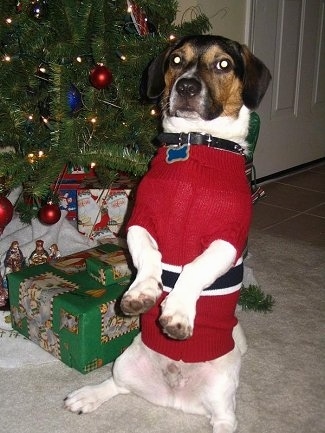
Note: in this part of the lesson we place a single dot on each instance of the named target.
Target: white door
(289, 36)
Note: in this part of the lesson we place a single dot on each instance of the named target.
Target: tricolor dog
(187, 234)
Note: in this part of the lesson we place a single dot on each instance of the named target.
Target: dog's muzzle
(188, 87)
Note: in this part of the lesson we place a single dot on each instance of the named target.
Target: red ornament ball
(6, 212)
(49, 214)
(100, 77)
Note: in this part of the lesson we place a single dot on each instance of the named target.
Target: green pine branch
(253, 298)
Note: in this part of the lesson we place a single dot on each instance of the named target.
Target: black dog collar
(195, 138)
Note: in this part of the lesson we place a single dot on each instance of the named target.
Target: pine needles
(253, 298)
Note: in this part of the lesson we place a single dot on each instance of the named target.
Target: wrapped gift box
(102, 212)
(72, 316)
(74, 263)
(110, 267)
(67, 184)
(67, 193)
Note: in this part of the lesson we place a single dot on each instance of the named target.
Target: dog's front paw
(141, 297)
(176, 326)
(177, 318)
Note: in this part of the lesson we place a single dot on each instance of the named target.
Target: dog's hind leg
(239, 337)
(147, 287)
(125, 371)
(221, 400)
(138, 371)
(89, 398)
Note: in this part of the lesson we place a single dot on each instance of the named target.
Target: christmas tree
(69, 87)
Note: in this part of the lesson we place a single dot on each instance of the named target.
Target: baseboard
(292, 170)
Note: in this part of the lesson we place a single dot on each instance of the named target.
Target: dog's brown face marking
(202, 80)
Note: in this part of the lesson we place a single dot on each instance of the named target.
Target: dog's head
(202, 78)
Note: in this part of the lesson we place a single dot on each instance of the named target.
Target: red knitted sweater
(185, 206)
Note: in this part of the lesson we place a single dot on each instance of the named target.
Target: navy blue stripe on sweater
(230, 279)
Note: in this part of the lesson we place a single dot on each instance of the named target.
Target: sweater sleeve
(144, 210)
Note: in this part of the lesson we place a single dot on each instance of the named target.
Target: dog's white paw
(175, 321)
(84, 400)
(176, 326)
(141, 296)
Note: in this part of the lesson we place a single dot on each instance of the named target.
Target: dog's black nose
(188, 87)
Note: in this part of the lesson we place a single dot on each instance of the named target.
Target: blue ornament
(74, 99)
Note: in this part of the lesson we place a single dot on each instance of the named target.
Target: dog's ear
(256, 79)
(152, 82)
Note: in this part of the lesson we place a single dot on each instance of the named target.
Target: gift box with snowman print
(69, 180)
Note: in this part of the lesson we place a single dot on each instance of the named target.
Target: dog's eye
(176, 60)
(223, 65)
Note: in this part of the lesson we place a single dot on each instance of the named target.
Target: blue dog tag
(180, 153)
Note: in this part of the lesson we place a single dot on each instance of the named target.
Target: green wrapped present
(72, 316)
(110, 266)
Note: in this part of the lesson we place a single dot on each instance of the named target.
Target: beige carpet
(282, 387)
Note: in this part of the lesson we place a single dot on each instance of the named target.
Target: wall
(227, 17)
